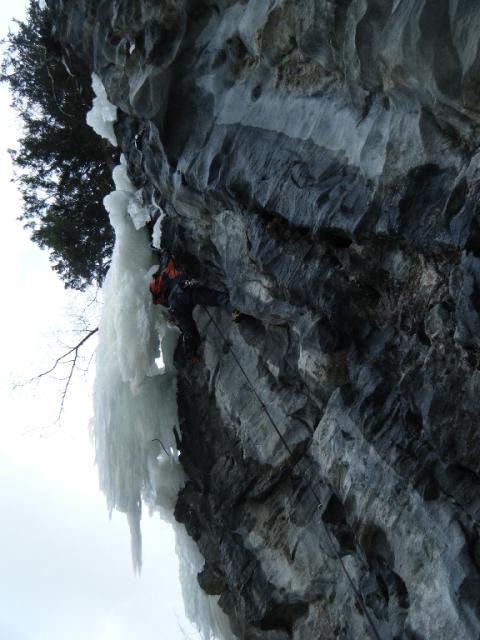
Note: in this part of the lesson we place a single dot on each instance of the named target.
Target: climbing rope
(355, 590)
(260, 401)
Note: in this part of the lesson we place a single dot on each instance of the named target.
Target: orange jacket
(163, 281)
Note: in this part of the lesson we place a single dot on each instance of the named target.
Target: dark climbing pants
(182, 302)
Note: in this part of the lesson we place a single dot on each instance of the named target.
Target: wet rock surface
(319, 160)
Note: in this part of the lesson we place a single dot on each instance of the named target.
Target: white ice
(135, 403)
(135, 406)
(103, 113)
(137, 211)
(157, 231)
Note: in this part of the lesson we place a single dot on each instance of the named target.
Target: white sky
(65, 568)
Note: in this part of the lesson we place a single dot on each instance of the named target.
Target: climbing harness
(228, 349)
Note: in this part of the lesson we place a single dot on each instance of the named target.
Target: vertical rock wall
(319, 160)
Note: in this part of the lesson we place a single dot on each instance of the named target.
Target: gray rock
(319, 161)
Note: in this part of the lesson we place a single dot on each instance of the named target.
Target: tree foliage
(62, 167)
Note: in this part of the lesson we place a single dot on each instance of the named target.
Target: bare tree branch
(63, 360)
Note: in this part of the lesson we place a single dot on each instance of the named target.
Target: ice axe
(163, 447)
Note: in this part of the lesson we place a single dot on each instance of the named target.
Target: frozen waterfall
(134, 400)
(135, 408)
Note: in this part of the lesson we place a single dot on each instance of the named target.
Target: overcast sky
(65, 568)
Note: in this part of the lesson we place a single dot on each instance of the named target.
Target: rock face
(319, 160)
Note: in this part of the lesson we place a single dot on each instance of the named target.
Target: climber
(173, 289)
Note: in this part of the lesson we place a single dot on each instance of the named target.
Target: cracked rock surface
(319, 160)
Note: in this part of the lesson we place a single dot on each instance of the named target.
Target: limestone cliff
(319, 160)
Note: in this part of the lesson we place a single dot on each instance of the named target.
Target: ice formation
(135, 407)
(135, 401)
(137, 211)
(103, 113)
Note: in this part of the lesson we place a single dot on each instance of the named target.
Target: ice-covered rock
(320, 161)
(103, 113)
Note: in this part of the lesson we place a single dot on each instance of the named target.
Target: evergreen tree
(63, 167)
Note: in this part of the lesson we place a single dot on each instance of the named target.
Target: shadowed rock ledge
(319, 160)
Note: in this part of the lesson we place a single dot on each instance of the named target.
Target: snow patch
(103, 113)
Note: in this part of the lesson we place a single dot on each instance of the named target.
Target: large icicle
(135, 401)
(135, 406)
